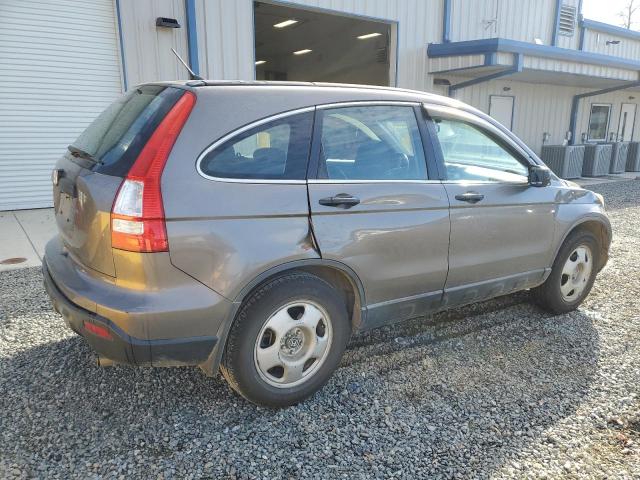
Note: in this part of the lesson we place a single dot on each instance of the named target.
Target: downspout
(556, 26)
(192, 35)
(490, 60)
(446, 21)
(581, 26)
(575, 104)
(121, 39)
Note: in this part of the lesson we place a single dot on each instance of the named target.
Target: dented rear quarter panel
(225, 234)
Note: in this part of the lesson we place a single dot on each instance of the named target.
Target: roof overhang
(502, 45)
(539, 63)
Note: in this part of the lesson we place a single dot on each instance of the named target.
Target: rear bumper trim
(122, 347)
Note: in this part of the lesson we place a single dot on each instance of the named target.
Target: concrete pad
(14, 244)
(617, 177)
(39, 225)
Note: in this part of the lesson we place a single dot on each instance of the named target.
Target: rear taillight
(137, 216)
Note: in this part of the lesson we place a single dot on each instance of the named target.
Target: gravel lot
(496, 390)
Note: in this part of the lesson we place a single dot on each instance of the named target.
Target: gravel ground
(496, 390)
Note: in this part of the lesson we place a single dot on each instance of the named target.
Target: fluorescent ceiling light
(260, 62)
(369, 35)
(286, 23)
(302, 52)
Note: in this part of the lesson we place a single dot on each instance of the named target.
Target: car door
(374, 208)
(501, 227)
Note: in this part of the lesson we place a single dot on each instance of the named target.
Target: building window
(599, 122)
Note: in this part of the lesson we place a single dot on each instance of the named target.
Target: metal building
(537, 66)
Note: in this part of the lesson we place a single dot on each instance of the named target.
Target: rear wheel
(572, 275)
(287, 340)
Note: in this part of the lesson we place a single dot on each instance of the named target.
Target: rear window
(118, 135)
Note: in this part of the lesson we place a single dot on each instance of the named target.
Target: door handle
(470, 197)
(341, 200)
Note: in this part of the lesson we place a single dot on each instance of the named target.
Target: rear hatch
(87, 177)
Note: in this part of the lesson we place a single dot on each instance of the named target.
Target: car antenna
(192, 75)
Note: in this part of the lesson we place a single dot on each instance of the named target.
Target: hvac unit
(597, 159)
(564, 161)
(619, 157)
(633, 157)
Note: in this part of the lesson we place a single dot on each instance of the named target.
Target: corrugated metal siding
(522, 20)
(226, 48)
(59, 68)
(444, 64)
(596, 42)
(549, 64)
(147, 48)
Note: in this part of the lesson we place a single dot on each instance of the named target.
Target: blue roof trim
(612, 29)
(556, 24)
(192, 35)
(490, 45)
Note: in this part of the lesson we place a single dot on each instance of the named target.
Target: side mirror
(539, 176)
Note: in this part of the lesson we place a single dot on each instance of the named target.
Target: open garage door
(310, 45)
(59, 68)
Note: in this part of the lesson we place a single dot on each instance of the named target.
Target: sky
(607, 11)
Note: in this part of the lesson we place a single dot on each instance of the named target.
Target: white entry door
(627, 122)
(501, 109)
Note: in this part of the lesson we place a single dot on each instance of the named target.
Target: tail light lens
(137, 216)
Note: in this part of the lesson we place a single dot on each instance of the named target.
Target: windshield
(117, 136)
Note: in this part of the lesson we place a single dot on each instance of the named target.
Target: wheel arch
(599, 226)
(334, 272)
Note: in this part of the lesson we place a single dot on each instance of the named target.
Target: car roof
(330, 91)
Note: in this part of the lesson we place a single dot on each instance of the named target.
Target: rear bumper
(121, 347)
(169, 319)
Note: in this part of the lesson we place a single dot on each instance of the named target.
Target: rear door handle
(470, 197)
(341, 200)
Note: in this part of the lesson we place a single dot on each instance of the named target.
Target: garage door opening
(307, 45)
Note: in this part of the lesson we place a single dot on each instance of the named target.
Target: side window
(276, 150)
(371, 143)
(471, 154)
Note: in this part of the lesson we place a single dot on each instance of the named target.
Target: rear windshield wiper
(79, 153)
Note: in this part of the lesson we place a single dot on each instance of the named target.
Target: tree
(627, 13)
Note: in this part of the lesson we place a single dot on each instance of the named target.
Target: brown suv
(254, 227)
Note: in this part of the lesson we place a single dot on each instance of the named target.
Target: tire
(275, 325)
(555, 295)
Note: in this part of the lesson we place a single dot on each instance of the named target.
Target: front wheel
(572, 274)
(287, 340)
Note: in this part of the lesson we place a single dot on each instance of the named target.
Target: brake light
(137, 216)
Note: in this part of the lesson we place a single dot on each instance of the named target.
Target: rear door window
(379, 142)
(275, 150)
(116, 137)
